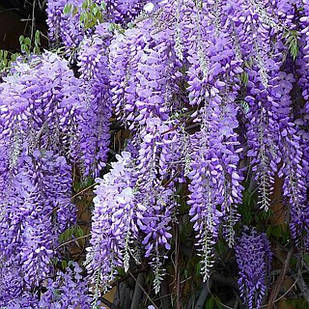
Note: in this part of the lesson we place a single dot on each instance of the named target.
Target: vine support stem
(279, 281)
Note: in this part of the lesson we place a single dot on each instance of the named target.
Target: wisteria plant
(182, 127)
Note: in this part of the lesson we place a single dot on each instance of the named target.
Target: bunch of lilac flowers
(94, 120)
(206, 91)
(67, 290)
(69, 29)
(37, 209)
(253, 257)
(113, 222)
(134, 201)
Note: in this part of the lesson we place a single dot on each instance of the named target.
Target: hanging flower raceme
(156, 177)
(214, 179)
(253, 257)
(213, 69)
(303, 61)
(94, 121)
(70, 20)
(302, 64)
(262, 135)
(38, 102)
(134, 200)
(38, 106)
(66, 20)
(144, 74)
(67, 290)
(294, 162)
(38, 210)
(264, 59)
(114, 222)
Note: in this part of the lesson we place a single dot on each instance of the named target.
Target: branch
(299, 280)
(202, 298)
(73, 240)
(137, 291)
(149, 298)
(279, 281)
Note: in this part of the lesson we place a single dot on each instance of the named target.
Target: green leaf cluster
(69, 233)
(26, 46)
(291, 39)
(91, 13)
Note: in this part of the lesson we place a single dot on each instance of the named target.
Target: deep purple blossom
(253, 257)
(67, 290)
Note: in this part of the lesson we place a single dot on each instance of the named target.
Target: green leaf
(37, 37)
(21, 39)
(210, 303)
(95, 11)
(64, 264)
(85, 5)
(75, 11)
(103, 5)
(68, 234)
(27, 41)
(67, 9)
(291, 38)
(36, 50)
(79, 231)
(15, 56)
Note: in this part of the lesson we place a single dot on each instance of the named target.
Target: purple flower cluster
(213, 69)
(38, 106)
(156, 189)
(37, 209)
(144, 73)
(215, 181)
(302, 64)
(113, 222)
(40, 102)
(68, 28)
(253, 257)
(294, 162)
(124, 11)
(135, 200)
(204, 87)
(67, 290)
(94, 119)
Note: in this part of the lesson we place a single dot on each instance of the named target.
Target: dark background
(18, 17)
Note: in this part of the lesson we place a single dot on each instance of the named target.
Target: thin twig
(279, 281)
(73, 240)
(177, 272)
(287, 292)
(80, 192)
(137, 295)
(149, 298)
(74, 196)
(33, 19)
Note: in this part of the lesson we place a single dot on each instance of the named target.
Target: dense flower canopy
(214, 99)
